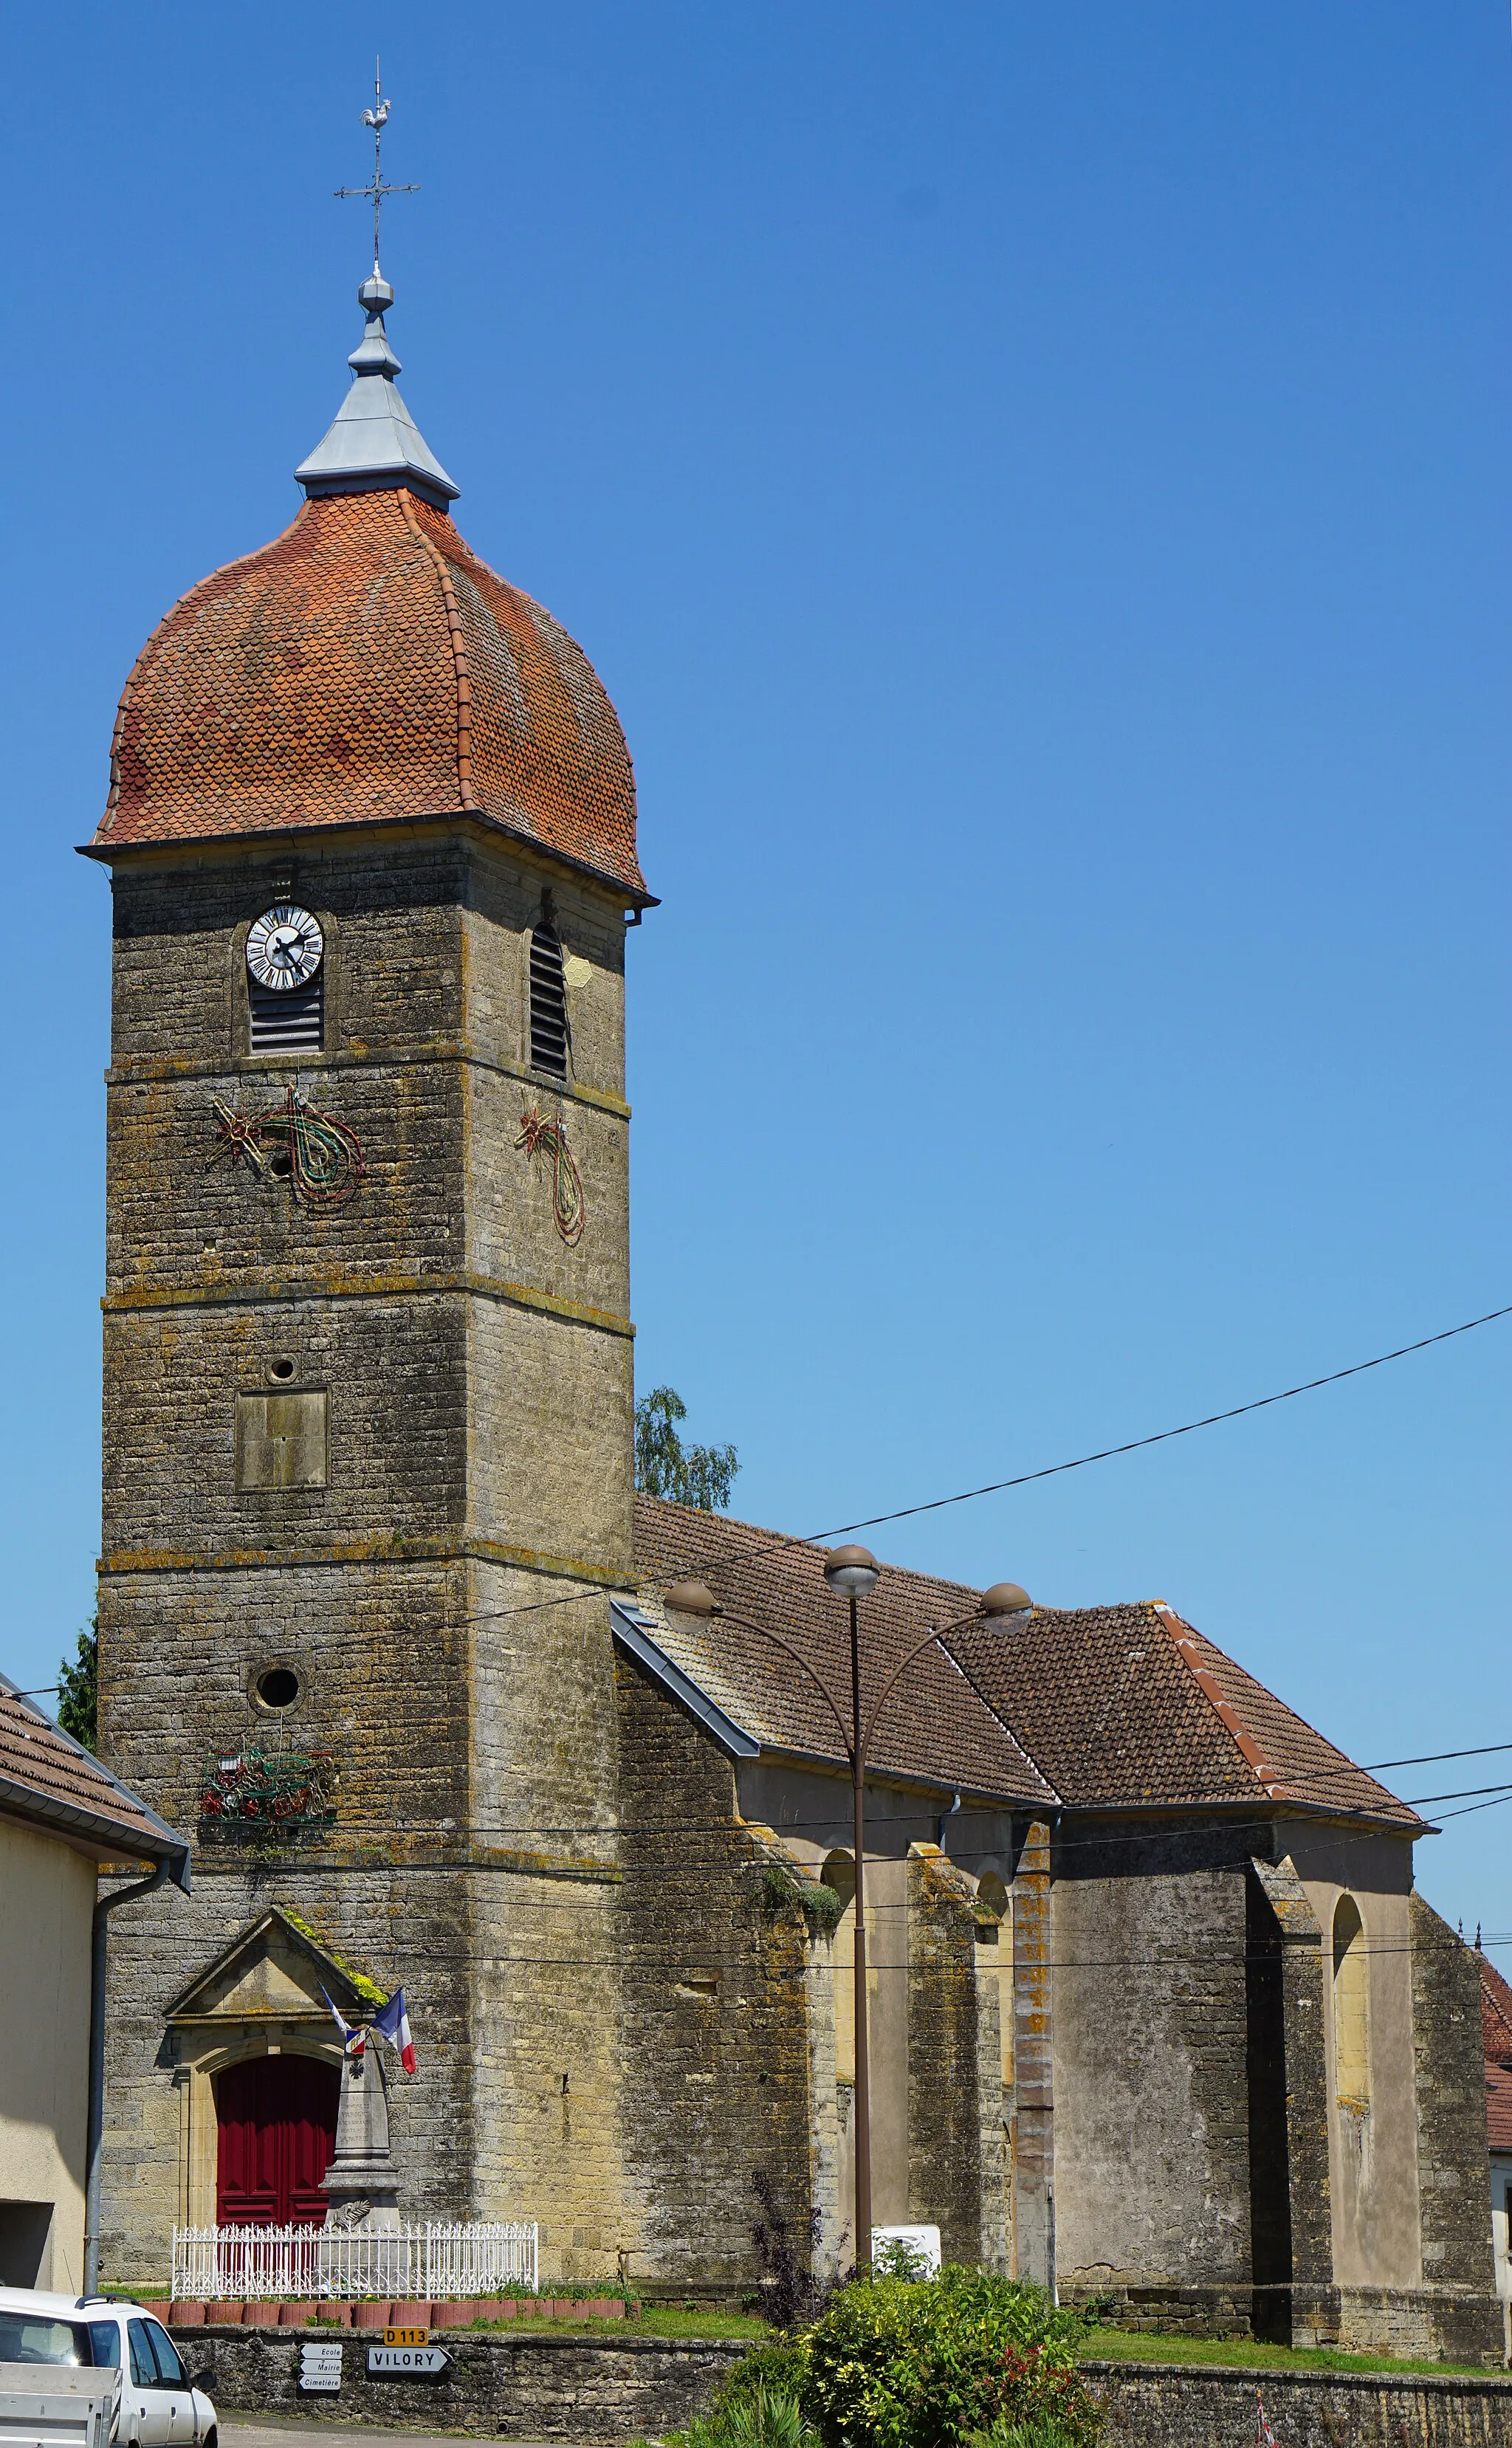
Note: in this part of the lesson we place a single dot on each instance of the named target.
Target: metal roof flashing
(633, 1631)
(374, 440)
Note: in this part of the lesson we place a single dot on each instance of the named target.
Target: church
(1156, 2013)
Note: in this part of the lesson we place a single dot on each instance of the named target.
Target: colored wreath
(325, 1156)
(550, 1140)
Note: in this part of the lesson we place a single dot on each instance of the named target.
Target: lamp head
(853, 1571)
(1005, 1597)
(692, 1598)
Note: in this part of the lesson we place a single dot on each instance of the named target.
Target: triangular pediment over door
(273, 1973)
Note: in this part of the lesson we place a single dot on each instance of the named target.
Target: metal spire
(377, 119)
(374, 441)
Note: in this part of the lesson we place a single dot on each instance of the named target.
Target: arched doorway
(278, 2134)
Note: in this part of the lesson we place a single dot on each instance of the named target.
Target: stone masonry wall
(550, 2069)
(1033, 2108)
(718, 2127)
(601, 2393)
(1453, 2153)
(540, 2388)
(1150, 2103)
(1292, 2212)
(1186, 2408)
(480, 1464)
(947, 2179)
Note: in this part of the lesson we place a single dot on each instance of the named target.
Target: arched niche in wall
(839, 1874)
(995, 1958)
(1352, 2013)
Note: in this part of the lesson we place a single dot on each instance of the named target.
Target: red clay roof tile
(933, 1728)
(40, 1772)
(1097, 1707)
(366, 667)
(1496, 2014)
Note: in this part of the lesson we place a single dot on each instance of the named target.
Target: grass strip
(1252, 2354)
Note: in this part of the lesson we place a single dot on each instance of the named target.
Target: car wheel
(212, 2439)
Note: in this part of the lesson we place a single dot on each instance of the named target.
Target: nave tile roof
(1088, 1707)
(934, 1727)
(1496, 2031)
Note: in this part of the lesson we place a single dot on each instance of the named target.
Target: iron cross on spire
(377, 119)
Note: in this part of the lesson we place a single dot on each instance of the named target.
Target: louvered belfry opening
(282, 1022)
(548, 1005)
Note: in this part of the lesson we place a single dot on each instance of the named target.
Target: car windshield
(25, 2337)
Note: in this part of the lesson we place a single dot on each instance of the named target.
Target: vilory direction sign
(408, 2363)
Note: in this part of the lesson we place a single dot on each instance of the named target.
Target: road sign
(320, 2364)
(408, 2363)
(406, 2337)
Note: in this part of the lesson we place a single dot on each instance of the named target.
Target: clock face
(284, 947)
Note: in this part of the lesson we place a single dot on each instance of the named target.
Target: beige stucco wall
(47, 1898)
(1374, 2154)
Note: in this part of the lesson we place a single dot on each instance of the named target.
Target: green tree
(701, 1476)
(79, 1690)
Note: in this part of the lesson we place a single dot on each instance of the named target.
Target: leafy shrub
(767, 2418)
(896, 2259)
(962, 2360)
(779, 2366)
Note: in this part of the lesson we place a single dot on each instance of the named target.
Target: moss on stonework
(820, 1906)
(366, 1990)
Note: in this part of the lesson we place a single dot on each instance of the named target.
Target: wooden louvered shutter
(548, 1005)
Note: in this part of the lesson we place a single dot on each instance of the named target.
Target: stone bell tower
(367, 1397)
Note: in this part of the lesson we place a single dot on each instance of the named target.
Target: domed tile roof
(366, 666)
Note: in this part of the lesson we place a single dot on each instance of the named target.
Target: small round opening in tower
(282, 1370)
(278, 1688)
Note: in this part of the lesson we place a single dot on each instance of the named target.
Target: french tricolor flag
(392, 2020)
(353, 2038)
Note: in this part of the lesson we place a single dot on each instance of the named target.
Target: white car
(160, 2406)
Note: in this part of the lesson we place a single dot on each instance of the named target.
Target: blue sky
(1034, 480)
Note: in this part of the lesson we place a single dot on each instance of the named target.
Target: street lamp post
(852, 1572)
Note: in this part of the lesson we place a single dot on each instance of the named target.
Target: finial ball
(376, 295)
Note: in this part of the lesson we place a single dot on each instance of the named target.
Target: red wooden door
(278, 2119)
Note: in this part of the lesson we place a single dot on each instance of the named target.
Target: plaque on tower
(283, 1440)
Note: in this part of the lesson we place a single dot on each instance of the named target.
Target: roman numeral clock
(284, 949)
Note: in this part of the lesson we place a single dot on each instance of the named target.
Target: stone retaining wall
(1180, 2405)
(604, 2391)
(536, 2388)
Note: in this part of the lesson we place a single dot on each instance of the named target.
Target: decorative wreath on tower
(548, 1141)
(320, 1157)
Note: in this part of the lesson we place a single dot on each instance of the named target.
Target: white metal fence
(436, 2263)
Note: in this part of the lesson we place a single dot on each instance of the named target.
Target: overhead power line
(757, 1540)
(1164, 1436)
(616, 1870)
(1429, 1759)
